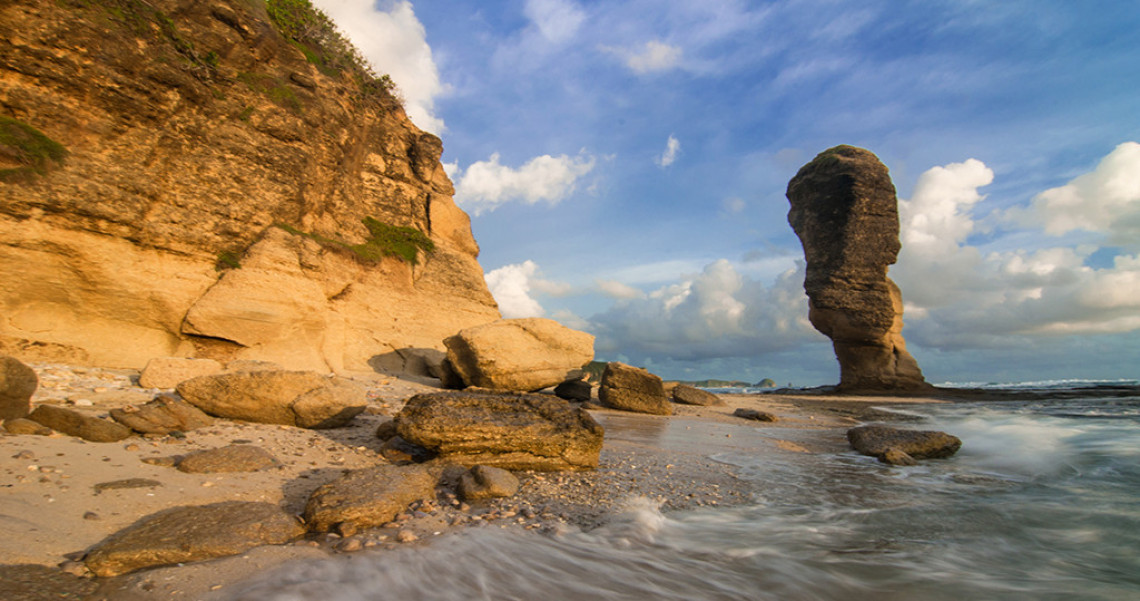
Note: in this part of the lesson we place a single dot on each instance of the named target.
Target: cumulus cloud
(486, 185)
(672, 148)
(395, 42)
(653, 57)
(617, 290)
(958, 296)
(557, 20)
(511, 285)
(1106, 200)
(715, 313)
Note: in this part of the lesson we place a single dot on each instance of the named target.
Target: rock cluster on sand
(195, 533)
(17, 385)
(519, 354)
(78, 423)
(633, 389)
(163, 415)
(902, 447)
(844, 210)
(510, 431)
(291, 398)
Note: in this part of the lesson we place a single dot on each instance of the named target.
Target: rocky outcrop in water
(519, 354)
(509, 431)
(902, 447)
(369, 497)
(201, 180)
(844, 210)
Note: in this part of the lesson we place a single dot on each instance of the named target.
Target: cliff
(200, 178)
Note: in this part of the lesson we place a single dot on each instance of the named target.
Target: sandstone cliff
(177, 177)
(845, 212)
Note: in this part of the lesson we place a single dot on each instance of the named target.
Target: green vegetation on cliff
(146, 21)
(317, 37)
(384, 240)
(28, 147)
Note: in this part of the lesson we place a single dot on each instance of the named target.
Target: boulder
(167, 372)
(575, 390)
(184, 534)
(163, 415)
(633, 389)
(844, 210)
(369, 497)
(18, 383)
(292, 398)
(486, 482)
(23, 425)
(78, 423)
(755, 415)
(232, 458)
(886, 443)
(519, 354)
(510, 431)
(691, 395)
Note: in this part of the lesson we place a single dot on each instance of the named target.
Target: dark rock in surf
(691, 395)
(369, 497)
(486, 482)
(886, 443)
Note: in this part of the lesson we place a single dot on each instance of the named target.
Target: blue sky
(625, 165)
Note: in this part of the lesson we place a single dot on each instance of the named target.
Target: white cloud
(655, 56)
(1106, 201)
(958, 296)
(672, 147)
(395, 42)
(485, 185)
(715, 313)
(617, 290)
(511, 285)
(557, 20)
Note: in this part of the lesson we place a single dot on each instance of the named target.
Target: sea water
(1042, 502)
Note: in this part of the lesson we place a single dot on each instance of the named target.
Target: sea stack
(845, 212)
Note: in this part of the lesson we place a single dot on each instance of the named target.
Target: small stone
(345, 529)
(351, 545)
(753, 414)
(75, 568)
(25, 454)
(91, 515)
(127, 483)
(406, 536)
(131, 447)
(895, 456)
(161, 461)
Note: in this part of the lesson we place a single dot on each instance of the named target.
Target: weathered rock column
(845, 212)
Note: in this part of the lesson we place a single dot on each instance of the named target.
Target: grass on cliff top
(317, 37)
(384, 240)
(28, 147)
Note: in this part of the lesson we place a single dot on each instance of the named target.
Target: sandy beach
(62, 494)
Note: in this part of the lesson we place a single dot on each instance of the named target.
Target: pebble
(350, 546)
(407, 536)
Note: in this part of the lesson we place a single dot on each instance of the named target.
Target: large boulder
(17, 385)
(163, 415)
(519, 354)
(633, 389)
(510, 431)
(167, 372)
(369, 497)
(78, 423)
(691, 395)
(293, 398)
(887, 443)
(184, 534)
(844, 210)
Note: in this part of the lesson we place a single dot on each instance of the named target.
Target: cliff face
(179, 178)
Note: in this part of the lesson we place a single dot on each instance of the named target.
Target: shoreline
(52, 510)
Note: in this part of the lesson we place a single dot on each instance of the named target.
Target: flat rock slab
(162, 415)
(633, 389)
(184, 534)
(17, 384)
(168, 372)
(878, 441)
(691, 395)
(126, 483)
(519, 354)
(369, 497)
(77, 423)
(232, 458)
(23, 425)
(292, 398)
(486, 482)
(510, 431)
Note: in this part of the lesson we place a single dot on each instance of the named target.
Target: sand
(52, 506)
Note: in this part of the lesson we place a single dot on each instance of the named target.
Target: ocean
(1042, 502)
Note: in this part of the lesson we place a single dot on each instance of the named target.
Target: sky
(625, 167)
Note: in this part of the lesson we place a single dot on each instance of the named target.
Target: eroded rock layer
(845, 212)
(179, 175)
